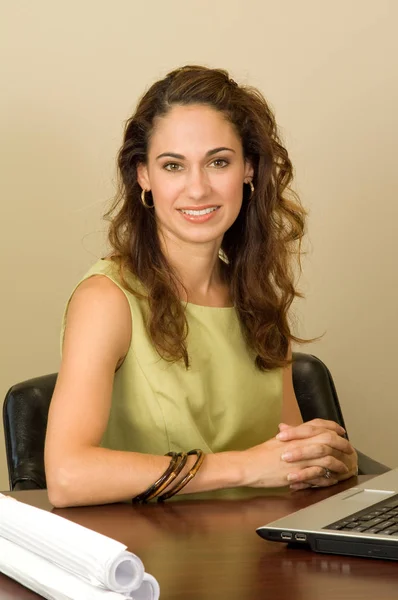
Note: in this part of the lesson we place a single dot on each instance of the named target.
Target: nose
(197, 184)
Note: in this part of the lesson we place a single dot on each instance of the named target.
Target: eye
(172, 167)
(220, 163)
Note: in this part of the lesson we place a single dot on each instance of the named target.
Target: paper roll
(47, 579)
(98, 559)
(148, 590)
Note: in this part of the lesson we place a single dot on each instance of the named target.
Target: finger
(312, 452)
(307, 430)
(300, 478)
(321, 482)
(327, 438)
(329, 462)
(299, 486)
(333, 464)
(326, 424)
(308, 474)
(303, 476)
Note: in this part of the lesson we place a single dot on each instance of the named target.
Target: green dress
(222, 402)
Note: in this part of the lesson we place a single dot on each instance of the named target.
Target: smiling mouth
(199, 213)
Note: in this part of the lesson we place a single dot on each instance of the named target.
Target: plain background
(71, 73)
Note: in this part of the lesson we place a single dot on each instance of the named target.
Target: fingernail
(281, 436)
(292, 477)
(287, 456)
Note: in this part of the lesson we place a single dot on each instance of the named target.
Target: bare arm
(78, 471)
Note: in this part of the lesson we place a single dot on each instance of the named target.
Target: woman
(179, 340)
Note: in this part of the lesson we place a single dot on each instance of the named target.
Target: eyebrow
(209, 153)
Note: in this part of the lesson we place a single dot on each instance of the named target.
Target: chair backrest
(26, 407)
(315, 390)
(25, 412)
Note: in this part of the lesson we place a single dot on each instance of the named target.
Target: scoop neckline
(187, 304)
(203, 306)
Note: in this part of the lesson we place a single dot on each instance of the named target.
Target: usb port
(285, 535)
(300, 537)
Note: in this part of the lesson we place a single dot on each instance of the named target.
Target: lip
(199, 218)
(202, 207)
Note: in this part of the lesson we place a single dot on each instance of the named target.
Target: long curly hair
(257, 250)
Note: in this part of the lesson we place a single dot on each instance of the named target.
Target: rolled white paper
(100, 560)
(47, 579)
(149, 589)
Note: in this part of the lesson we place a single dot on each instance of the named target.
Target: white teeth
(197, 213)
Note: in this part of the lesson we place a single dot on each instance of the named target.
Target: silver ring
(328, 473)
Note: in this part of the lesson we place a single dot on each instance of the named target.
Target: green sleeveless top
(222, 402)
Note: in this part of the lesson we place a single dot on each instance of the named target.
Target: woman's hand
(267, 465)
(324, 448)
(301, 456)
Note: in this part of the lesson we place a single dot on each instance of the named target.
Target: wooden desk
(206, 548)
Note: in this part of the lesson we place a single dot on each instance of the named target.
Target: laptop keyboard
(378, 518)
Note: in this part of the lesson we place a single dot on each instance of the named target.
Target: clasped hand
(302, 455)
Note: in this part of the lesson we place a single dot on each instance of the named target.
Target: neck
(198, 268)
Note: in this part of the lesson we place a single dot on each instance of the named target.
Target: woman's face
(195, 171)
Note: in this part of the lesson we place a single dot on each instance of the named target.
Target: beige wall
(71, 73)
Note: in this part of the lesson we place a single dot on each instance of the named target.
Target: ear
(249, 171)
(142, 176)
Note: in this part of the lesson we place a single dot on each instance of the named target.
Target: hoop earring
(143, 200)
(250, 183)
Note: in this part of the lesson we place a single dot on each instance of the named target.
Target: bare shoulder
(99, 291)
(99, 311)
(101, 286)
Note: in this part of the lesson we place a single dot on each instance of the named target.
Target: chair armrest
(368, 466)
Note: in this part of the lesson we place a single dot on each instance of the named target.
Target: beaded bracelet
(144, 495)
(190, 475)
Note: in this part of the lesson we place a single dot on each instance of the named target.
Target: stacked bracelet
(190, 475)
(177, 463)
(182, 459)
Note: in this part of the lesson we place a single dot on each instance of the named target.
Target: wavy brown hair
(257, 249)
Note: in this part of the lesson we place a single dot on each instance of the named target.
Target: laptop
(361, 521)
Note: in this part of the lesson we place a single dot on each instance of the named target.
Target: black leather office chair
(26, 408)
